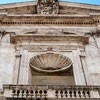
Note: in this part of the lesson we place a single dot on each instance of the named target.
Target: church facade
(49, 50)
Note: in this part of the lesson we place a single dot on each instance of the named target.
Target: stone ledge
(50, 38)
(51, 91)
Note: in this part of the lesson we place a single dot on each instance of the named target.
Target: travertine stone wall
(86, 69)
(24, 34)
(77, 68)
(24, 68)
(93, 60)
(7, 59)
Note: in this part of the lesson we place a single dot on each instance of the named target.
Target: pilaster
(24, 68)
(77, 69)
(17, 67)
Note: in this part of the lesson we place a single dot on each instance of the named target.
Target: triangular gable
(64, 8)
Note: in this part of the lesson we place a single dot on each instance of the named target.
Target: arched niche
(51, 69)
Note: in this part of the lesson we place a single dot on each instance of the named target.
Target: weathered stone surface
(73, 32)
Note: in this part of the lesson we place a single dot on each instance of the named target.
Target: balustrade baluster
(83, 92)
(68, 95)
(56, 93)
(77, 95)
(61, 93)
(40, 93)
(45, 93)
(70, 92)
(36, 94)
(18, 92)
(74, 92)
(22, 93)
(64, 95)
(27, 93)
(14, 93)
(31, 93)
(88, 94)
(73, 96)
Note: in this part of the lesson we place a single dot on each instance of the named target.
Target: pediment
(64, 8)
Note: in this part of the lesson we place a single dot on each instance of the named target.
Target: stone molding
(48, 20)
(49, 38)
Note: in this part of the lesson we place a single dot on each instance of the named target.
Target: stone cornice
(48, 19)
(80, 5)
(50, 39)
(13, 5)
(40, 15)
(91, 87)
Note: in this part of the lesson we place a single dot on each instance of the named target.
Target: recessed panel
(53, 80)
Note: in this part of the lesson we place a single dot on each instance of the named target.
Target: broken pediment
(48, 7)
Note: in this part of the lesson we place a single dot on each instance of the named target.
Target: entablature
(80, 20)
(60, 43)
(49, 38)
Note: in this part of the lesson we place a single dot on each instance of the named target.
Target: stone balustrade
(51, 91)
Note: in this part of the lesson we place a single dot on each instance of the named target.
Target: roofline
(17, 4)
(80, 3)
(58, 0)
(67, 3)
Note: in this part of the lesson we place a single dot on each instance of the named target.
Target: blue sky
(96, 2)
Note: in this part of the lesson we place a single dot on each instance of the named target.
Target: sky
(95, 2)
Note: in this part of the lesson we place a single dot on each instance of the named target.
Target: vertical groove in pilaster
(17, 69)
(81, 59)
(24, 66)
(85, 69)
(77, 69)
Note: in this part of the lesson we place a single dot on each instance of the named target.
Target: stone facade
(52, 55)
